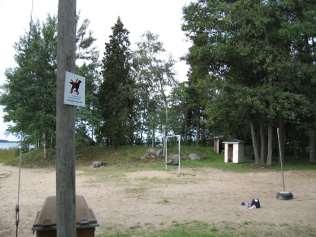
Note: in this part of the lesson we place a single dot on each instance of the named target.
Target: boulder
(184, 157)
(151, 153)
(173, 159)
(98, 164)
(159, 153)
(194, 156)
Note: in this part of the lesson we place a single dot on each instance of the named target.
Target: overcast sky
(162, 17)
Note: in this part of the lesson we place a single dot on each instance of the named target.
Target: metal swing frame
(179, 151)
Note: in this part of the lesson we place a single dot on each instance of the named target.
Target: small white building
(234, 151)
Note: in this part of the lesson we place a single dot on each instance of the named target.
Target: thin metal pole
(166, 134)
(166, 118)
(179, 155)
(166, 152)
(179, 151)
(281, 159)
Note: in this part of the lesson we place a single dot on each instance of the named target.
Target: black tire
(284, 195)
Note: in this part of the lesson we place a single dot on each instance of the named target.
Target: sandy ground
(157, 199)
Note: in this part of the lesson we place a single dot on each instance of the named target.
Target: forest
(252, 70)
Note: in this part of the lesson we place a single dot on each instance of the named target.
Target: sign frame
(74, 90)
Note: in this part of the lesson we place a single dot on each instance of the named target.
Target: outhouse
(234, 151)
(45, 221)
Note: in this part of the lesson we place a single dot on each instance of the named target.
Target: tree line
(125, 91)
(252, 70)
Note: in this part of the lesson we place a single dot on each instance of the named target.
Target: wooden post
(65, 150)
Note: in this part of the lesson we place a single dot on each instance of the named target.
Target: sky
(162, 17)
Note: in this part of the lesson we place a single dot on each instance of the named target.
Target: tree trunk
(153, 137)
(270, 147)
(52, 145)
(92, 133)
(45, 146)
(312, 146)
(198, 133)
(262, 144)
(254, 143)
(198, 128)
(185, 131)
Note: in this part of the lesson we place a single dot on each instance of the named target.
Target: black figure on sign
(75, 86)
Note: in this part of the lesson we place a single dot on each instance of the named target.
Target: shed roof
(233, 141)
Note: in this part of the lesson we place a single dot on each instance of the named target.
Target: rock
(151, 156)
(173, 159)
(194, 156)
(159, 153)
(98, 164)
(152, 153)
(184, 157)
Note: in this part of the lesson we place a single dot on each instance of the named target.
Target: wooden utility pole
(65, 150)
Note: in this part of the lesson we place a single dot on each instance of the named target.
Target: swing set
(179, 151)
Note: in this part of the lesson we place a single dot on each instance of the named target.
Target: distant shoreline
(7, 141)
(5, 144)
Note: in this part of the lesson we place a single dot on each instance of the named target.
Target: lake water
(8, 145)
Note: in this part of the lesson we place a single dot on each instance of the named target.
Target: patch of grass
(9, 156)
(211, 159)
(127, 159)
(195, 229)
(224, 229)
(214, 160)
(302, 164)
(31, 159)
(35, 159)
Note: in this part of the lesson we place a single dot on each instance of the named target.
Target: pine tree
(116, 95)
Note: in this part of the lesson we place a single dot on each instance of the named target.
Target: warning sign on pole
(74, 93)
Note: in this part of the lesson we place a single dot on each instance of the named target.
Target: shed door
(230, 152)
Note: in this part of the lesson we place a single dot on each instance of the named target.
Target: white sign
(74, 93)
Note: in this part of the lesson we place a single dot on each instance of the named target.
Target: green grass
(208, 159)
(223, 229)
(195, 229)
(127, 158)
(32, 159)
(296, 164)
(9, 156)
